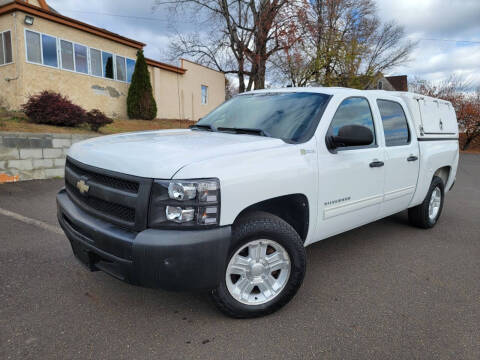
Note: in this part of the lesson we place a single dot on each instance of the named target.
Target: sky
(429, 22)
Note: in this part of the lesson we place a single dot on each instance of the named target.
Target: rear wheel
(265, 268)
(427, 213)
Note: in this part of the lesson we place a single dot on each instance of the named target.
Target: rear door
(401, 156)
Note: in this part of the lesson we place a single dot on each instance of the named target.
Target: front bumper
(167, 259)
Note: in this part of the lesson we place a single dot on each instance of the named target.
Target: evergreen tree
(140, 101)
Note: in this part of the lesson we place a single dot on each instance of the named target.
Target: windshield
(289, 116)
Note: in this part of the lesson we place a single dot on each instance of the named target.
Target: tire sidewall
(297, 271)
(436, 182)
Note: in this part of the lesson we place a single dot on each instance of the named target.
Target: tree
(343, 43)
(466, 104)
(243, 35)
(140, 101)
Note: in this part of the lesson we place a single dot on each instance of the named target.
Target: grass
(17, 122)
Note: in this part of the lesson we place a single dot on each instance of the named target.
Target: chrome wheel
(258, 272)
(434, 205)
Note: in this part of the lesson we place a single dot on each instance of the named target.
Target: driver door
(351, 179)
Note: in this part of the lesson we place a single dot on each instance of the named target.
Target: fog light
(179, 215)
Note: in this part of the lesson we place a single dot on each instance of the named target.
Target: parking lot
(383, 291)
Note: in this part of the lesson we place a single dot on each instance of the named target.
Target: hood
(160, 154)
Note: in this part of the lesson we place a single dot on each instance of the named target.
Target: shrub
(53, 109)
(96, 119)
(140, 101)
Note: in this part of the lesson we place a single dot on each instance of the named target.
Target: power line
(163, 20)
(449, 40)
(114, 15)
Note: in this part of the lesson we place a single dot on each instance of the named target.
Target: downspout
(15, 60)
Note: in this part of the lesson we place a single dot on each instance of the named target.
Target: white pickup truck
(231, 203)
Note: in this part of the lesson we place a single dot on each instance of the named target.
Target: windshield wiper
(202, 127)
(246, 131)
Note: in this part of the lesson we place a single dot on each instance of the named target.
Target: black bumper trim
(167, 259)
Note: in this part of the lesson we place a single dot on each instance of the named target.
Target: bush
(96, 119)
(53, 109)
(140, 101)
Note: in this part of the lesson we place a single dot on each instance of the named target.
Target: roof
(319, 89)
(347, 91)
(164, 66)
(45, 12)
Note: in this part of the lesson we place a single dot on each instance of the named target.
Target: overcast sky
(424, 20)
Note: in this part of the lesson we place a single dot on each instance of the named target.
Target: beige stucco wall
(85, 90)
(179, 96)
(8, 89)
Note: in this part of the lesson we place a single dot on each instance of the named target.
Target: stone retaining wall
(28, 156)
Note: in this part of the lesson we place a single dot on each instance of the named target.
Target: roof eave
(164, 66)
(64, 20)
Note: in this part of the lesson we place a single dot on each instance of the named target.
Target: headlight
(184, 203)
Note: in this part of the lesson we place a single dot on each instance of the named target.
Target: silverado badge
(82, 187)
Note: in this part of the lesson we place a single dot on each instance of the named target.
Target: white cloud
(426, 20)
(422, 19)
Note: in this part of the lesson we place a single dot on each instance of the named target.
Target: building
(41, 49)
(389, 83)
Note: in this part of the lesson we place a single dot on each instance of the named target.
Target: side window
(81, 61)
(34, 47)
(49, 50)
(107, 63)
(66, 48)
(5, 48)
(353, 111)
(204, 94)
(121, 70)
(96, 62)
(394, 122)
(130, 69)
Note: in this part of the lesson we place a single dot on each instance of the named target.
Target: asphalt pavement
(382, 291)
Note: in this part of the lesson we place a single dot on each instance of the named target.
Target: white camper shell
(433, 118)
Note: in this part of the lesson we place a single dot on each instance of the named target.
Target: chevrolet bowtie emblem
(82, 187)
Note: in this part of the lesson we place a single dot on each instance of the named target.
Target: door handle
(376, 163)
(412, 158)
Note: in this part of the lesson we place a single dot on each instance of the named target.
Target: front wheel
(265, 268)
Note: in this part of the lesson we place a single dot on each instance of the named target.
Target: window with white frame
(64, 54)
(107, 64)
(6, 53)
(66, 48)
(96, 62)
(121, 68)
(34, 47)
(204, 94)
(130, 69)
(81, 59)
(49, 50)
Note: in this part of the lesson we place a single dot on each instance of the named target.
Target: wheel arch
(444, 174)
(293, 208)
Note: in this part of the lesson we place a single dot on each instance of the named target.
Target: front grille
(106, 180)
(114, 210)
(118, 198)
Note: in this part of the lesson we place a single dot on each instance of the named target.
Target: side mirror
(350, 135)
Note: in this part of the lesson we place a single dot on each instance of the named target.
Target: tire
(276, 239)
(419, 216)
